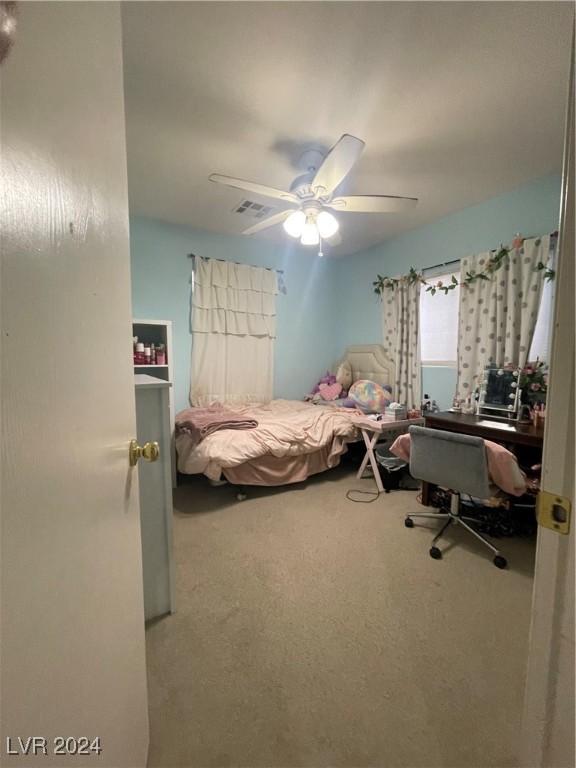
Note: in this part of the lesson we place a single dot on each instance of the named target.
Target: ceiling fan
(312, 195)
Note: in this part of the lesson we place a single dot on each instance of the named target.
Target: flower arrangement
(534, 382)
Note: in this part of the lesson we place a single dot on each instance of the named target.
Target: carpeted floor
(313, 631)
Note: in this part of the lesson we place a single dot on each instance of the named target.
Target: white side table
(371, 431)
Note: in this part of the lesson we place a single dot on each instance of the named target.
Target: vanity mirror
(500, 393)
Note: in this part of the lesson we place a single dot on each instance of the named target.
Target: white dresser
(155, 478)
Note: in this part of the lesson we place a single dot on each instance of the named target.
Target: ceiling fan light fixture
(327, 224)
(312, 195)
(310, 234)
(294, 224)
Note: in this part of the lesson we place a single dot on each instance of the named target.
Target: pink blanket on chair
(502, 465)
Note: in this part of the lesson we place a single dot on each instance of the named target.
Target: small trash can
(391, 468)
(395, 472)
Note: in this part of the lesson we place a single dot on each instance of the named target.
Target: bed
(293, 439)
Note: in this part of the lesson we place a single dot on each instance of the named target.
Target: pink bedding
(502, 465)
(273, 471)
(293, 440)
(201, 422)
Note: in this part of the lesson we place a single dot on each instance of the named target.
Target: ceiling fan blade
(337, 164)
(252, 186)
(372, 203)
(271, 221)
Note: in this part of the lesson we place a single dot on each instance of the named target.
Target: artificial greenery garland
(493, 264)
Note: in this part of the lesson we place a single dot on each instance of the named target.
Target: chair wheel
(408, 522)
(500, 562)
(435, 553)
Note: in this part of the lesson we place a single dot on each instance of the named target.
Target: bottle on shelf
(149, 353)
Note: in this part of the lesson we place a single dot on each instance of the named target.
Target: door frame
(547, 725)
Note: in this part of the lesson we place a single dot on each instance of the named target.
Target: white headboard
(369, 361)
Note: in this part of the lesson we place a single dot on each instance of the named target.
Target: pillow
(330, 391)
(368, 394)
(344, 374)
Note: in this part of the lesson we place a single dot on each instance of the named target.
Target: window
(439, 324)
(541, 341)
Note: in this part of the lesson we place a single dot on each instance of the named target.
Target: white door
(548, 730)
(73, 655)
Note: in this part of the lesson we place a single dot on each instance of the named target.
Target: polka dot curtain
(497, 317)
(401, 324)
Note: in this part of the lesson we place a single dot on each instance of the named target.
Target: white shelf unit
(159, 332)
(152, 421)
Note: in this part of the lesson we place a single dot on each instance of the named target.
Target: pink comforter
(286, 428)
(502, 465)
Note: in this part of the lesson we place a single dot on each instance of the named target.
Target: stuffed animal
(369, 395)
(326, 389)
(328, 378)
(330, 391)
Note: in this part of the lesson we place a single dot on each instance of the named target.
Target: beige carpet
(312, 631)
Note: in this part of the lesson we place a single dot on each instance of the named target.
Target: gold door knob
(149, 451)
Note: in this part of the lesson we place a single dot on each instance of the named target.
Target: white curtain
(401, 325)
(497, 316)
(233, 332)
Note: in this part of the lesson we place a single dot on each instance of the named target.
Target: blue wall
(306, 341)
(330, 302)
(531, 209)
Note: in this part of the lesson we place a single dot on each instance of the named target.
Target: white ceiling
(457, 102)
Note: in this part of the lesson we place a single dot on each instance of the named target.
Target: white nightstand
(372, 430)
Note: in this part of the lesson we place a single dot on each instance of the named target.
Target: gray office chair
(456, 462)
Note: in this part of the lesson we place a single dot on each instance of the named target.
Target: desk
(498, 431)
(371, 431)
(516, 437)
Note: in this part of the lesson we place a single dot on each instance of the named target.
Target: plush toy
(330, 391)
(328, 378)
(326, 389)
(369, 395)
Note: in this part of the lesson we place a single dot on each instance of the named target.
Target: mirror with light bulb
(500, 393)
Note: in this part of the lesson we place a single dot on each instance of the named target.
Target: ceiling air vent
(253, 210)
